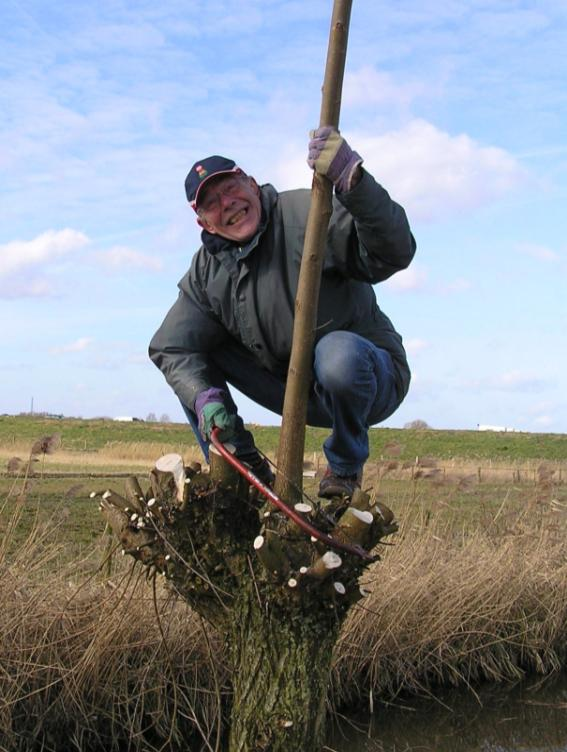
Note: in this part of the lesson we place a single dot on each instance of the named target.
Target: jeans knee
(336, 358)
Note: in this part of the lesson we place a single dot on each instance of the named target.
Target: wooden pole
(292, 435)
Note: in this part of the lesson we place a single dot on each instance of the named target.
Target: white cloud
(514, 23)
(119, 257)
(541, 407)
(408, 280)
(29, 288)
(435, 175)
(131, 37)
(77, 346)
(368, 86)
(543, 420)
(415, 345)
(510, 381)
(516, 380)
(43, 249)
(460, 284)
(137, 359)
(539, 252)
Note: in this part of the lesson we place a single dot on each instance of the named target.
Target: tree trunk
(281, 670)
(278, 597)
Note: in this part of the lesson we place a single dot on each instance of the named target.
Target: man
(233, 320)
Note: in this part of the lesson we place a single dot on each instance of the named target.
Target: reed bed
(127, 453)
(94, 663)
(148, 451)
(452, 606)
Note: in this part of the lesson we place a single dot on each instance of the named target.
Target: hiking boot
(339, 485)
(260, 467)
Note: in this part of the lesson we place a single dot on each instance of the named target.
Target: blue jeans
(353, 388)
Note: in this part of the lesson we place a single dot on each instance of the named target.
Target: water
(531, 717)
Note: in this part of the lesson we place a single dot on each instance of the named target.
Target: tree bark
(281, 669)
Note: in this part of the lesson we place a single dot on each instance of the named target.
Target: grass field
(474, 587)
(18, 432)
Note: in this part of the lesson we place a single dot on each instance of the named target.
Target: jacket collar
(215, 244)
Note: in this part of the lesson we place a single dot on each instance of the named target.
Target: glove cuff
(209, 395)
(343, 184)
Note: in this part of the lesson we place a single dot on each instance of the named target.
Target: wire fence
(482, 470)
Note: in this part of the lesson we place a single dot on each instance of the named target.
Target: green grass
(473, 445)
(93, 435)
(59, 502)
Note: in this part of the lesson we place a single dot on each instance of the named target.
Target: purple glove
(330, 155)
(211, 412)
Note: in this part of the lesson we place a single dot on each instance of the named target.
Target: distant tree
(151, 418)
(417, 425)
(164, 418)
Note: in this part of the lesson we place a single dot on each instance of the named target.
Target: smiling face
(230, 206)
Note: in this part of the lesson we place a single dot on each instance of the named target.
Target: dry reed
(99, 664)
(450, 606)
(111, 664)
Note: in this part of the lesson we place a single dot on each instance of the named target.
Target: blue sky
(458, 108)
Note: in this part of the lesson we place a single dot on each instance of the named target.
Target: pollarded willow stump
(278, 596)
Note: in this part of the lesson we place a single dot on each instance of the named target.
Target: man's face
(230, 206)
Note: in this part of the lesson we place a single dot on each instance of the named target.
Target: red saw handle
(266, 491)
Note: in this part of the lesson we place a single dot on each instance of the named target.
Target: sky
(458, 108)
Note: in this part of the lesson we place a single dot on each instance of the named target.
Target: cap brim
(210, 177)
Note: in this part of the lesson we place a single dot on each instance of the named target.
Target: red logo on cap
(201, 172)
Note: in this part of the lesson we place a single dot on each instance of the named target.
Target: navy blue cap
(204, 170)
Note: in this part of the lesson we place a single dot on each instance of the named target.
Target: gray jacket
(248, 293)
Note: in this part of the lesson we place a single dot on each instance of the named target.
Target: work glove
(330, 155)
(211, 412)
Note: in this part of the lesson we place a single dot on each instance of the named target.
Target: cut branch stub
(271, 553)
(135, 494)
(117, 501)
(384, 523)
(225, 474)
(173, 463)
(324, 566)
(354, 527)
(138, 540)
(365, 521)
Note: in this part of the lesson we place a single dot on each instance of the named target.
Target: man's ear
(254, 185)
(205, 225)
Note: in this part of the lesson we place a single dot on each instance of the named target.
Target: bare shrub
(392, 449)
(426, 462)
(46, 445)
(417, 425)
(14, 465)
